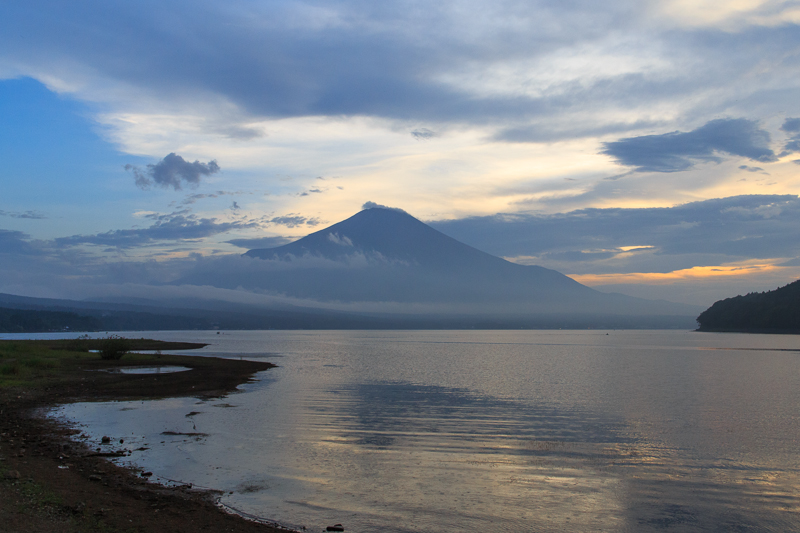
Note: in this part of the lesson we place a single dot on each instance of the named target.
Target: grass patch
(41, 363)
(22, 364)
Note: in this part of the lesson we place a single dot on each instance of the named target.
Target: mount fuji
(383, 260)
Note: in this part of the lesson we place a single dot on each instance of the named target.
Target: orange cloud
(706, 273)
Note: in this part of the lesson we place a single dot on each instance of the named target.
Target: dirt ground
(49, 482)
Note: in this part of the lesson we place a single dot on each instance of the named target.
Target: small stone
(146, 474)
(335, 527)
(95, 477)
(12, 474)
(105, 440)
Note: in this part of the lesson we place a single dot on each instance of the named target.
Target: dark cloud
(677, 151)
(260, 243)
(16, 242)
(172, 227)
(172, 171)
(792, 125)
(715, 231)
(423, 134)
(791, 147)
(405, 61)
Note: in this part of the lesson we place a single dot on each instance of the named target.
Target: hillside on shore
(775, 311)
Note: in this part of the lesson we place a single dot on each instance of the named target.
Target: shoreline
(50, 480)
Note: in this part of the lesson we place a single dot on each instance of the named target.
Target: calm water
(487, 430)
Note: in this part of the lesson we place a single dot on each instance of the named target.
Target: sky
(648, 147)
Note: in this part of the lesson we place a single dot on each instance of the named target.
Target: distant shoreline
(756, 331)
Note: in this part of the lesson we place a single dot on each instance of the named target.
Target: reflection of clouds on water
(412, 431)
(687, 496)
(449, 455)
(412, 410)
(561, 466)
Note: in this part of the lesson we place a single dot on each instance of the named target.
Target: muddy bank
(50, 481)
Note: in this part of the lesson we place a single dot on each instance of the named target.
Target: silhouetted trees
(773, 311)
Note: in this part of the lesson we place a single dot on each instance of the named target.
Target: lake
(433, 431)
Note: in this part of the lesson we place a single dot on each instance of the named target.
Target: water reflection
(453, 458)
(379, 433)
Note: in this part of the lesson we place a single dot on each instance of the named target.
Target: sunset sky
(644, 147)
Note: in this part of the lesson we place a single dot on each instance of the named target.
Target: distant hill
(22, 314)
(32, 321)
(775, 311)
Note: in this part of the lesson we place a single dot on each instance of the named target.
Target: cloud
(172, 227)
(792, 125)
(315, 190)
(423, 134)
(16, 242)
(194, 198)
(496, 62)
(373, 205)
(751, 169)
(613, 240)
(533, 133)
(35, 215)
(343, 240)
(260, 242)
(293, 221)
(791, 147)
(171, 172)
(677, 151)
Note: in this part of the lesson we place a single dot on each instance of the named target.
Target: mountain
(379, 269)
(775, 311)
(387, 256)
